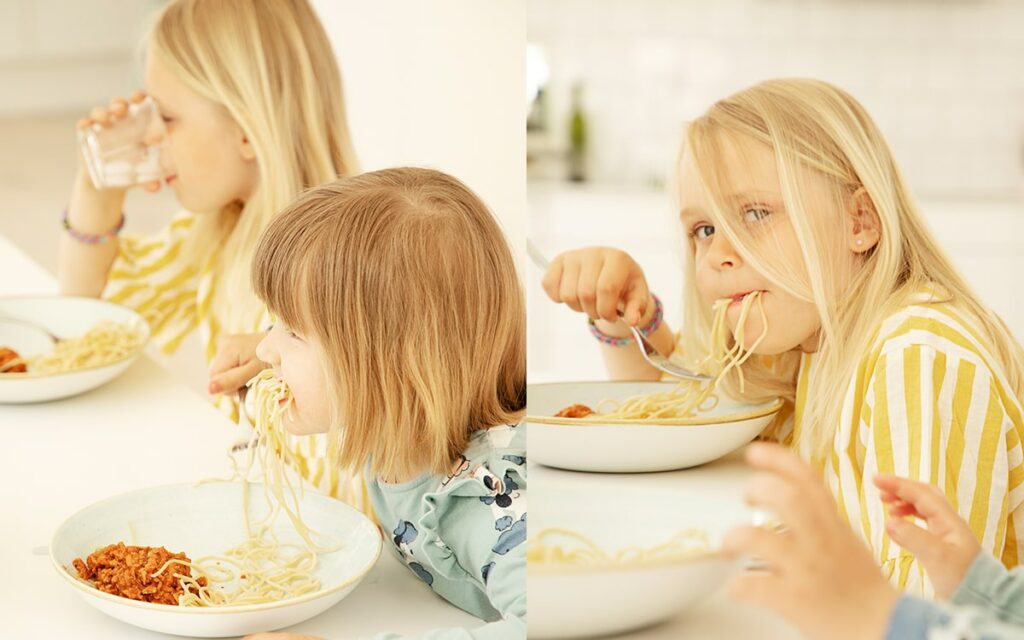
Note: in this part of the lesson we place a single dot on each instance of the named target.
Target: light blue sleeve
(918, 619)
(483, 525)
(988, 585)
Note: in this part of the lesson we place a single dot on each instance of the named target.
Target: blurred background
(436, 84)
(611, 84)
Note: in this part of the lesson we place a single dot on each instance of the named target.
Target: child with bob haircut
(401, 333)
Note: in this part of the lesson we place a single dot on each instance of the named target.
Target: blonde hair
(406, 281)
(269, 63)
(815, 130)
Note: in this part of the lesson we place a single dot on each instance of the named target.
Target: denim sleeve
(989, 586)
(918, 619)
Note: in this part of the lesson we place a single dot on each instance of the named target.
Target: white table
(145, 428)
(708, 497)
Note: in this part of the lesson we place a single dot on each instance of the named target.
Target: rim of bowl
(137, 318)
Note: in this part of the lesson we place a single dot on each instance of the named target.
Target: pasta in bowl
(98, 341)
(579, 589)
(596, 443)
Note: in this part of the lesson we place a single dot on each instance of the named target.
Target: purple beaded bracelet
(651, 327)
(88, 238)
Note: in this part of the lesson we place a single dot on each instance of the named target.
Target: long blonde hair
(407, 283)
(814, 129)
(270, 65)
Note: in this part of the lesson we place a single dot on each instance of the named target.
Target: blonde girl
(250, 95)
(887, 359)
(401, 333)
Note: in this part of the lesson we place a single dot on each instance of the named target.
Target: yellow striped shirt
(174, 297)
(929, 402)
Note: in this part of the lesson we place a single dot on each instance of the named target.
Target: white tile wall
(944, 79)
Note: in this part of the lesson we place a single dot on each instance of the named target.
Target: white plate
(583, 603)
(634, 446)
(66, 317)
(207, 520)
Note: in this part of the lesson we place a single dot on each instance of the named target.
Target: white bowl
(584, 602)
(630, 445)
(207, 520)
(66, 317)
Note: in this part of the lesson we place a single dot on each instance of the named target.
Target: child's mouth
(738, 298)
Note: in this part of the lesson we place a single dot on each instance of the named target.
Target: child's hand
(235, 363)
(600, 281)
(947, 548)
(818, 574)
(106, 116)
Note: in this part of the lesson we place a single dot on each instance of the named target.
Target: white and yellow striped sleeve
(149, 276)
(934, 413)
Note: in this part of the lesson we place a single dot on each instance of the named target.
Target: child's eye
(166, 119)
(755, 214)
(703, 231)
(292, 334)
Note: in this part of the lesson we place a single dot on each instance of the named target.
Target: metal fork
(650, 354)
(4, 318)
(248, 435)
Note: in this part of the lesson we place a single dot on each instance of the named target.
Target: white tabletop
(649, 507)
(145, 428)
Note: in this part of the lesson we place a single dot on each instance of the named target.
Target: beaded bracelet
(88, 238)
(651, 327)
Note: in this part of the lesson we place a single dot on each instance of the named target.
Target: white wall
(439, 84)
(944, 79)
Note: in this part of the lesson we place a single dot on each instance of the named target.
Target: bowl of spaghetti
(97, 342)
(581, 588)
(212, 559)
(636, 439)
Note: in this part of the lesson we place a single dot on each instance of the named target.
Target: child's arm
(83, 267)
(602, 282)
(948, 550)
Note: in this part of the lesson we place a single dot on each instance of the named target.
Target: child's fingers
(84, 123)
(586, 286)
(567, 288)
(118, 107)
(234, 379)
(637, 299)
(773, 548)
(610, 284)
(552, 280)
(797, 505)
(902, 510)
(99, 114)
(918, 541)
(758, 588)
(929, 501)
(776, 458)
(152, 186)
(138, 96)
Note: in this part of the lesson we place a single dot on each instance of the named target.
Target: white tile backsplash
(944, 80)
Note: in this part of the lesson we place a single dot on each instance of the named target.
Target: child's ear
(865, 227)
(245, 148)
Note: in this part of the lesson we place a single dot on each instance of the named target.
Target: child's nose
(721, 254)
(265, 351)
